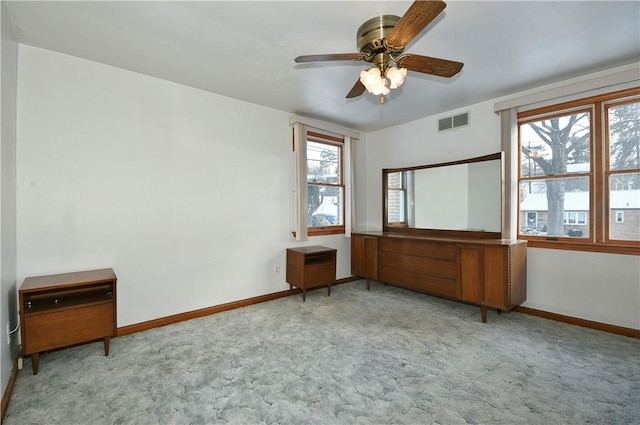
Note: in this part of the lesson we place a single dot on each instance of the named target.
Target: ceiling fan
(381, 40)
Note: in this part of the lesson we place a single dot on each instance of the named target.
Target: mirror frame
(471, 234)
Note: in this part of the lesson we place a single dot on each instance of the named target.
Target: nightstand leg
(106, 345)
(304, 294)
(329, 291)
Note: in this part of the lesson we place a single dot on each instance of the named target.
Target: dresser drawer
(421, 282)
(419, 265)
(444, 251)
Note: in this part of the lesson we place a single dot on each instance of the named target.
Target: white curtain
(299, 182)
(350, 183)
(509, 142)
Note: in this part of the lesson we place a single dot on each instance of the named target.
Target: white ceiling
(245, 49)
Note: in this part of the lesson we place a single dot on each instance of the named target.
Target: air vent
(454, 121)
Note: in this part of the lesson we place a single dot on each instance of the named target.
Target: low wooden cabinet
(490, 273)
(311, 267)
(61, 310)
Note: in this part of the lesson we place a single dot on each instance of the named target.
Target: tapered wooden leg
(106, 345)
(483, 311)
(368, 284)
(329, 291)
(304, 294)
(35, 362)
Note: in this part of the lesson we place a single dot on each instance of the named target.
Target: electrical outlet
(276, 269)
(8, 333)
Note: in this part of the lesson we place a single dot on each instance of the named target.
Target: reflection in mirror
(397, 198)
(461, 196)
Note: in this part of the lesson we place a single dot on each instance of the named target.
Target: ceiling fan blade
(417, 17)
(357, 89)
(433, 66)
(330, 57)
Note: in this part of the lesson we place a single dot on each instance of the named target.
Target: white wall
(186, 194)
(8, 304)
(600, 287)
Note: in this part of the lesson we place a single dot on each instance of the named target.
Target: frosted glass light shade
(372, 80)
(396, 76)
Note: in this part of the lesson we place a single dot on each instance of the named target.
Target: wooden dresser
(61, 310)
(490, 273)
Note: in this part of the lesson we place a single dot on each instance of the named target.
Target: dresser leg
(483, 311)
(329, 291)
(304, 294)
(106, 345)
(368, 284)
(35, 362)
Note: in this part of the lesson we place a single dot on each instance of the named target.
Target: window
(325, 184)
(579, 174)
(532, 219)
(572, 217)
(397, 199)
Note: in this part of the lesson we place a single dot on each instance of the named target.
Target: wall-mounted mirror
(461, 196)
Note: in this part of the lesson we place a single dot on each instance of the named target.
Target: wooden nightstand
(61, 310)
(311, 267)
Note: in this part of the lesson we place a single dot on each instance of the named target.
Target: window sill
(321, 231)
(588, 247)
(324, 231)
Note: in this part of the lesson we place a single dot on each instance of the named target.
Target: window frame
(599, 214)
(402, 190)
(318, 137)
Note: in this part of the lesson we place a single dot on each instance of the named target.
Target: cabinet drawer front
(420, 248)
(58, 329)
(419, 265)
(423, 283)
(320, 275)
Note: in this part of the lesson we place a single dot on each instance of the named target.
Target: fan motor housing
(371, 33)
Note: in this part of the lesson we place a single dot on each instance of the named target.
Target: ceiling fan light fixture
(396, 76)
(374, 82)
